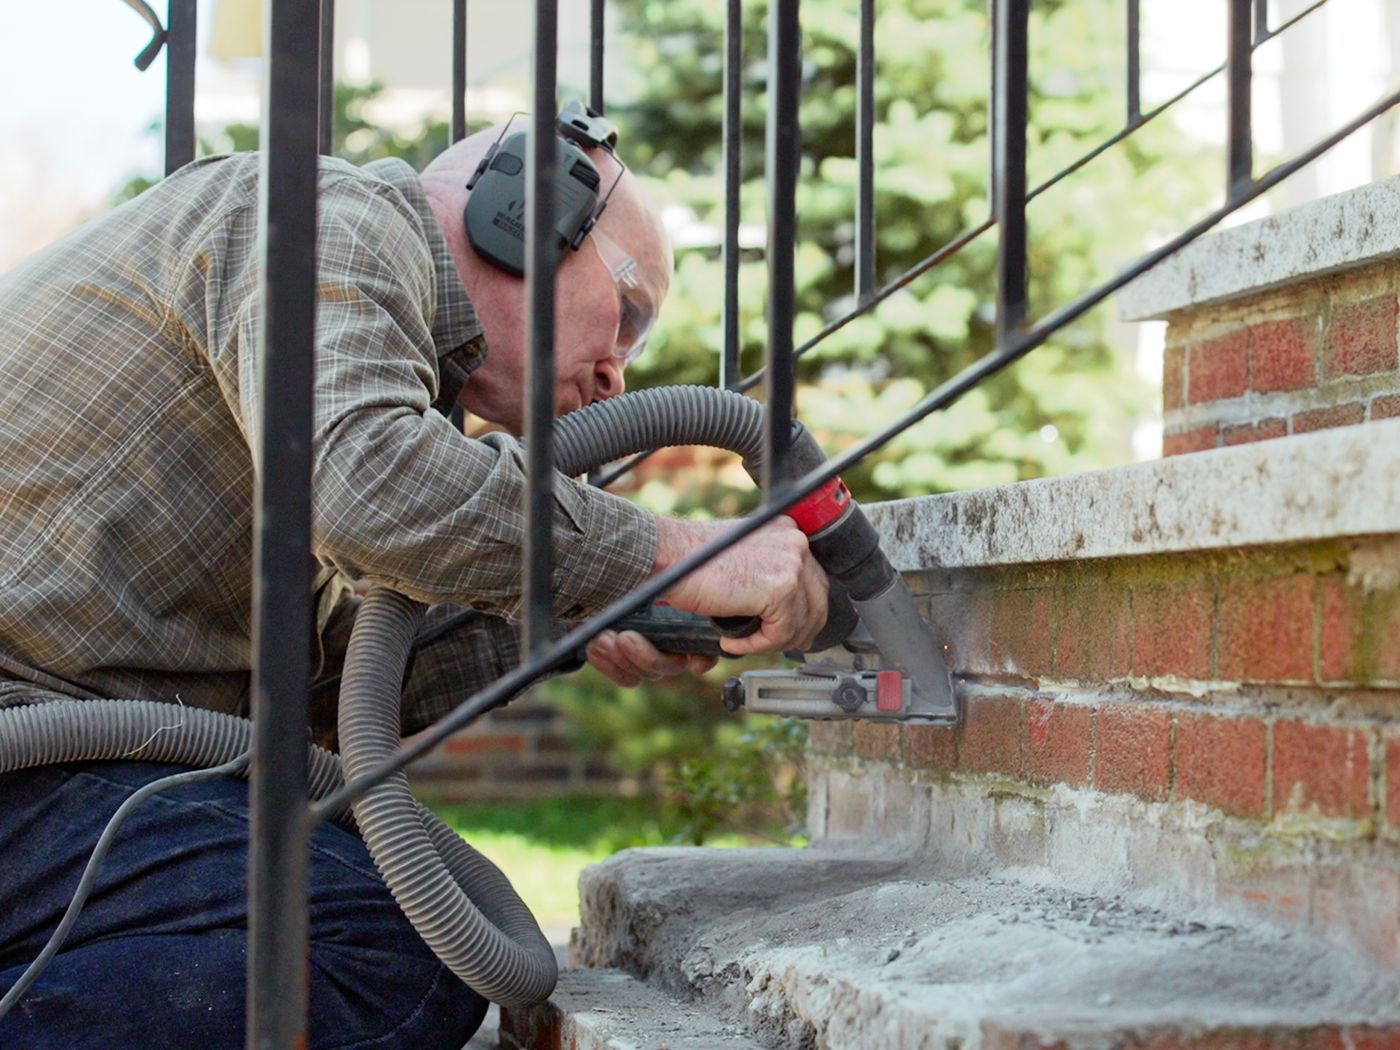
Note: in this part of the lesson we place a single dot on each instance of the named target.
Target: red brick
(931, 747)
(1133, 750)
(1059, 742)
(830, 738)
(485, 744)
(1361, 338)
(1173, 378)
(1392, 778)
(1340, 650)
(1197, 440)
(877, 740)
(1172, 630)
(1022, 632)
(1383, 631)
(1264, 430)
(1218, 368)
(1387, 407)
(990, 740)
(1323, 769)
(1281, 356)
(1221, 760)
(1351, 413)
(1266, 629)
(960, 621)
(1097, 641)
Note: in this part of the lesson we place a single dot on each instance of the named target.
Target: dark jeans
(157, 959)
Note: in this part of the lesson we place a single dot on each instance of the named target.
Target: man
(128, 389)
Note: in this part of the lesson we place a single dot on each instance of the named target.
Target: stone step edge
(603, 1009)
(638, 1016)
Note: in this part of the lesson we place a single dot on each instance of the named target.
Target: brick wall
(520, 751)
(1317, 354)
(1261, 686)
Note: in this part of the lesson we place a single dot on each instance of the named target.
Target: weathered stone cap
(1340, 232)
(1324, 485)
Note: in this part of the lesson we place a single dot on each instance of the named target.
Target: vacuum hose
(459, 902)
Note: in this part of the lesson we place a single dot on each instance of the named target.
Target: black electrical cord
(99, 854)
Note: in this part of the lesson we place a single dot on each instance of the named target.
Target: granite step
(820, 948)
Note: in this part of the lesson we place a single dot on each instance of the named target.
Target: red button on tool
(889, 691)
(818, 510)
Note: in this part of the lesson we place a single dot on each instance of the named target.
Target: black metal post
(865, 153)
(179, 84)
(784, 144)
(733, 135)
(596, 34)
(1261, 21)
(282, 623)
(1010, 104)
(459, 70)
(1134, 62)
(327, 98)
(541, 251)
(1239, 76)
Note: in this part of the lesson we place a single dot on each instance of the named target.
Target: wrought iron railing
(297, 121)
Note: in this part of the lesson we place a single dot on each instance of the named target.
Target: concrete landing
(824, 949)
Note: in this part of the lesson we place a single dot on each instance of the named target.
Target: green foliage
(749, 776)
(357, 138)
(1073, 408)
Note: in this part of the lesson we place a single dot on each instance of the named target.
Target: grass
(543, 844)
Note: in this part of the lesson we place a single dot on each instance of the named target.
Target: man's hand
(770, 574)
(628, 658)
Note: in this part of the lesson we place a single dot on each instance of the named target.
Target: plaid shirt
(128, 394)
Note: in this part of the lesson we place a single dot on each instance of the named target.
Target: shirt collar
(455, 324)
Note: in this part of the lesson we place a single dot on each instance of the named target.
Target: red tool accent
(889, 691)
(816, 511)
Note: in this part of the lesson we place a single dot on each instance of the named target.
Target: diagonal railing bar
(1021, 344)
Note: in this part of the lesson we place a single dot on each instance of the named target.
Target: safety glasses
(637, 301)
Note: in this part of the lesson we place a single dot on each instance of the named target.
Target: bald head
(591, 304)
(631, 220)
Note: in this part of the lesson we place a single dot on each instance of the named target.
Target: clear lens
(636, 302)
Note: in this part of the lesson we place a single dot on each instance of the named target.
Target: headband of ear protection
(495, 211)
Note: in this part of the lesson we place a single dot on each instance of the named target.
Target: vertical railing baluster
(733, 136)
(179, 84)
(865, 153)
(1134, 63)
(540, 254)
(1010, 106)
(282, 623)
(783, 148)
(327, 99)
(459, 121)
(597, 30)
(459, 70)
(1239, 75)
(1261, 21)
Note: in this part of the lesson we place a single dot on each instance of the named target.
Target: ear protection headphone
(495, 211)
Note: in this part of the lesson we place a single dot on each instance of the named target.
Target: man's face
(603, 295)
